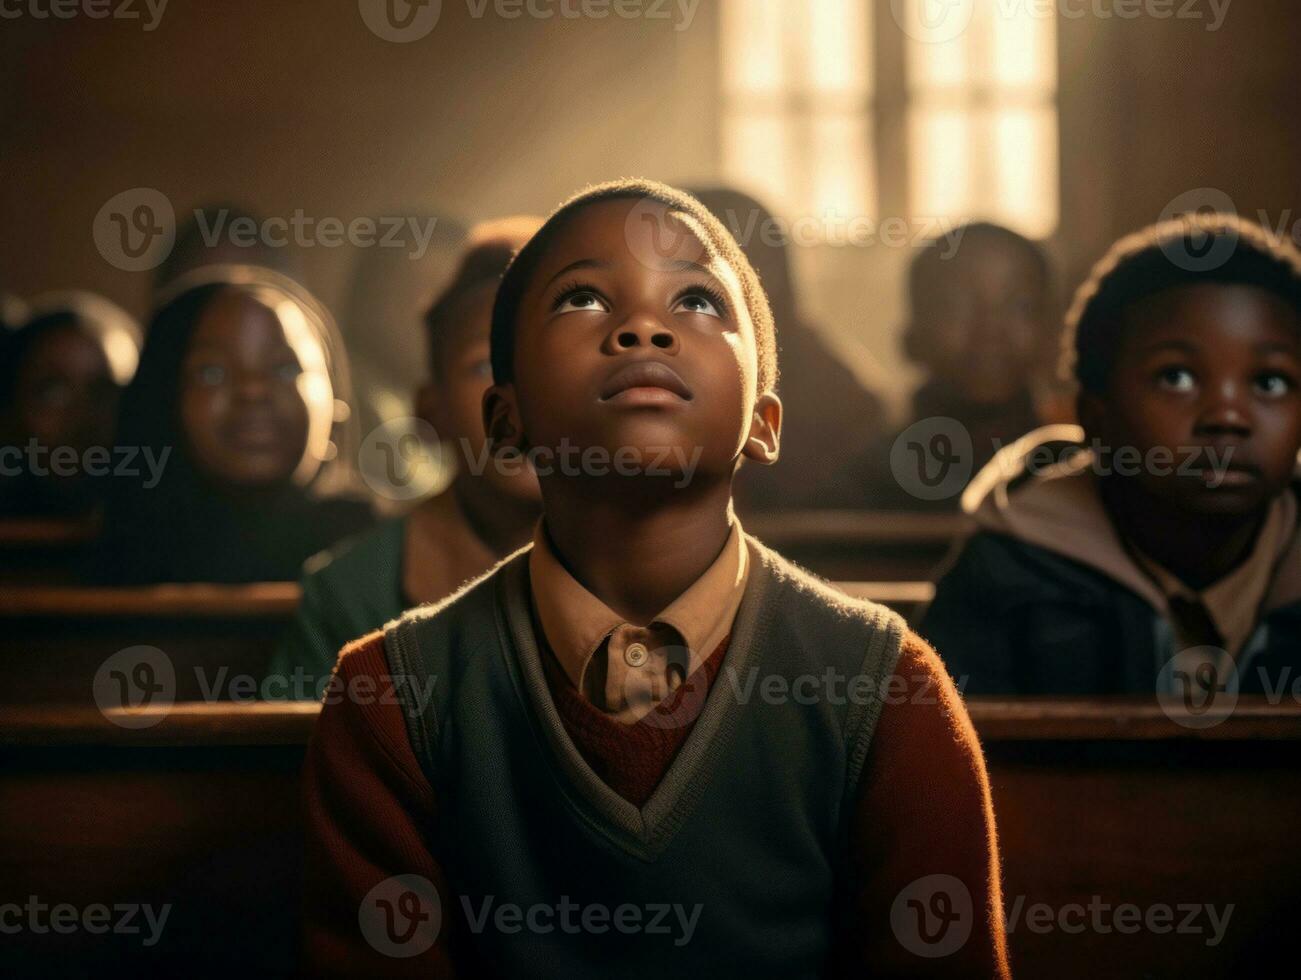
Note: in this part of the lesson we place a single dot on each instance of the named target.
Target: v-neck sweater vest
(746, 827)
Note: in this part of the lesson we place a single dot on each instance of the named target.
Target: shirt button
(635, 654)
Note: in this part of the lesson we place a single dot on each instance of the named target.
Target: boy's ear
(763, 444)
(501, 421)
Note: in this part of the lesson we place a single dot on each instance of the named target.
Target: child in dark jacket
(1157, 548)
(645, 744)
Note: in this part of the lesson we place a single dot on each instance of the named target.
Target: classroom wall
(296, 104)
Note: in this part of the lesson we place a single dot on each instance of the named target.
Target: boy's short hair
(718, 240)
(1192, 250)
(931, 254)
(489, 249)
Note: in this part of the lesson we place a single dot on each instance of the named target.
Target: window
(797, 104)
(800, 102)
(982, 119)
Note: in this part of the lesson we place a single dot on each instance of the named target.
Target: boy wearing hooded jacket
(1155, 549)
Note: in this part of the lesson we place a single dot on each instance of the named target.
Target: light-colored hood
(1057, 507)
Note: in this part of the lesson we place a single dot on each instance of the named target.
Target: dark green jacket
(349, 591)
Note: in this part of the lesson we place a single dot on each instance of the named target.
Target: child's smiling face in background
(1207, 368)
(623, 345)
(241, 408)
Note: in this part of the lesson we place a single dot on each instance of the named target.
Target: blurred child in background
(61, 373)
(451, 537)
(239, 412)
(1156, 547)
(979, 328)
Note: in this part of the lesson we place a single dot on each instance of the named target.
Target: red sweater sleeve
(925, 896)
(368, 810)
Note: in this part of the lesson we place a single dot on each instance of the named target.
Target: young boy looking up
(595, 732)
(1159, 544)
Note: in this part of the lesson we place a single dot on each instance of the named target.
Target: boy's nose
(642, 331)
(1224, 411)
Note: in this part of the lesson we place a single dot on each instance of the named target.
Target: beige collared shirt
(624, 668)
(1234, 602)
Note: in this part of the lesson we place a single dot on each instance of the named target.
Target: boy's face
(453, 401)
(640, 350)
(979, 320)
(1211, 373)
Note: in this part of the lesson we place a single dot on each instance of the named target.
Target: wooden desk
(42, 549)
(53, 639)
(1102, 803)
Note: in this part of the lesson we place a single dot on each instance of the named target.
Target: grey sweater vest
(734, 865)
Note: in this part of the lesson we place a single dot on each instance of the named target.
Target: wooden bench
(1100, 805)
(43, 550)
(862, 545)
(55, 640)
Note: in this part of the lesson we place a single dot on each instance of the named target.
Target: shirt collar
(575, 622)
(1234, 602)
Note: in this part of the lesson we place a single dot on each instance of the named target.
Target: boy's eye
(696, 303)
(481, 368)
(288, 371)
(581, 300)
(1176, 379)
(1275, 384)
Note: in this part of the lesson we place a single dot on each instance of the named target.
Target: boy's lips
(1231, 475)
(651, 377)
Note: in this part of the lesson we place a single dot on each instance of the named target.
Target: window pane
(1025, 146)
(842, 185)
(839, 46)
(1024, 49)
(939, 61)
(753, 38)
(941, 150)
(756, 156)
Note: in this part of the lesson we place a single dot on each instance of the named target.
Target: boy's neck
(1198, 552)
(502, 522)
(637, 553)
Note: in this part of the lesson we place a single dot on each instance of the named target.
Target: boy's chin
(1198, 500)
